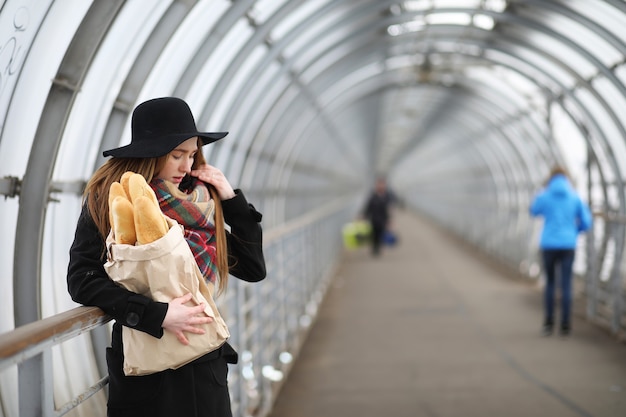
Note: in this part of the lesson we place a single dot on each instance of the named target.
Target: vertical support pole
(617, 287)
(35, 376)
(592, 261)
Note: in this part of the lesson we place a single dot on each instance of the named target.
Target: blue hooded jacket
(564, 213)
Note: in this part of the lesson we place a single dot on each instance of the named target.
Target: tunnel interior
(463, 105)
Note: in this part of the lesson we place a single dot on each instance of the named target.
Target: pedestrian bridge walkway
(431, 329)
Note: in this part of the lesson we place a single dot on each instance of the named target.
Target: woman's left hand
(216, 178)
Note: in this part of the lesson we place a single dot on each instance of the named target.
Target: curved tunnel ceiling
(463, 104)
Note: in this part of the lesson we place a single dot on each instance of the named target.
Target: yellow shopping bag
(356, 234)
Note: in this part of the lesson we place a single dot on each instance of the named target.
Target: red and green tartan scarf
(195, 210)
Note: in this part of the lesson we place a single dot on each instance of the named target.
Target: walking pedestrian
(565, 216)
(378, 212)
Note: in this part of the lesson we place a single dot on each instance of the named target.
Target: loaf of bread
(124, 182)
(115, 190)
(138, 187)
(123, 221)
(134, 211)
(150, 224)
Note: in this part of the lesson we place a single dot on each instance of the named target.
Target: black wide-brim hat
(159, 126)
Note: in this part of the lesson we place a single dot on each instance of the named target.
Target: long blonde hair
(96, 195)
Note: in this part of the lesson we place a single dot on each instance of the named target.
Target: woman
(165, 149)
(565, 216)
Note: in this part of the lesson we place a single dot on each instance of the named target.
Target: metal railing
(29, 347)
(268, 321)
(605, 289)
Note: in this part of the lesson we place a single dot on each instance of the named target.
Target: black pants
(378, 231)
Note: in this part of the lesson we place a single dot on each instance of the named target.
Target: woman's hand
(180, 318)
(216, 178)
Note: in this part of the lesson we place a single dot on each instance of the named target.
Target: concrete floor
(429, 329)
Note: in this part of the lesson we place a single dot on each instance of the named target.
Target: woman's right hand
(180, 318)
(216, 178)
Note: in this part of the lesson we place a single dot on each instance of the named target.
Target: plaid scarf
(195, 210)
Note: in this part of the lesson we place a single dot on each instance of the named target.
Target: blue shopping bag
(390, 238)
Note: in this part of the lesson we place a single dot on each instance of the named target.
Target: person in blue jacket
(565, 216)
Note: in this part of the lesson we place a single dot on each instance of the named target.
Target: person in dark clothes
(165, 149)
(565, 216)
(377, 212)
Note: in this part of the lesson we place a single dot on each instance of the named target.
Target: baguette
(115, 190)
(150, 223)
(138, 187)
(124, 182)
(123, 224)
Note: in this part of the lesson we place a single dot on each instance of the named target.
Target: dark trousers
(378, 231)
(561, 260)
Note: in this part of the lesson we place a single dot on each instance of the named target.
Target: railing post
(592, 274)
(616, 282)
(35, 386)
